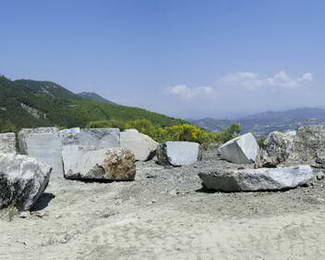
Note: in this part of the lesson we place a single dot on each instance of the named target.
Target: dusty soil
(165, 214)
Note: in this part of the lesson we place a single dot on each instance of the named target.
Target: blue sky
(185, 58)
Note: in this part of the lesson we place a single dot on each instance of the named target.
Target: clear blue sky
(186, 58)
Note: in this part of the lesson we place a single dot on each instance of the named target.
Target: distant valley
(263, 123)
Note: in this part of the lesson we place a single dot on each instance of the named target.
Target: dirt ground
(165, 214)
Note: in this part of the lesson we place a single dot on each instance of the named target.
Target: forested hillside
(29, 103)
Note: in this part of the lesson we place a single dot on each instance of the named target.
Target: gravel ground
(163, 214)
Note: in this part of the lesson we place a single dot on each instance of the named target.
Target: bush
(180, 132)
(107, 124)
(6, 126)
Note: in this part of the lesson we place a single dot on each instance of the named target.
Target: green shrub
(7, 126)
(180, 132)
(107, 124)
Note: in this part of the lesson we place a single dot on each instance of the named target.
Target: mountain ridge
(31, 103)
(265, 122)
(95, 97)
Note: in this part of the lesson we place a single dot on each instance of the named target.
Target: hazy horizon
(188, 59)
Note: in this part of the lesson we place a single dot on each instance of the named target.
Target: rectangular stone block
(96, 137)
(43, 144)
(242, 149)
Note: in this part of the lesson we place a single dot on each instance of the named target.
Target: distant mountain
(46, 87)
(304, 113)
(263, 123)
(95, 97)
(211, 124)
(30, 103)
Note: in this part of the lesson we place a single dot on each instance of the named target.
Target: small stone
(40, 214)
(173, 192)
(24, 214)
(320, 176)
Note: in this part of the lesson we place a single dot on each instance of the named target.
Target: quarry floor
(165, 214)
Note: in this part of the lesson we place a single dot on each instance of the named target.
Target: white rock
(143, 146)
(242, 149)
(96, 137)
(90, 163)
(75, 140)
(43, 144)
(22, 180)
(178, 153)
(8, 143)
(257, 179)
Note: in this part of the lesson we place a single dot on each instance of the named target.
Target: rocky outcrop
(242, 150)
(7, 143)
(90, 163)
(178, 153)
(33, 111)
(143, 146)
(257, 179)
(22, 180)
(307, 145)
(44, 144)
(276, 149)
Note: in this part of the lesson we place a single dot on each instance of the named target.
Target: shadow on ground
(43, 201)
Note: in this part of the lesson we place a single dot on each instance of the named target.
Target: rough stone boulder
(22, 180)
(8, 143)
(90, 163)
(43, 144)
(178, 153)
(143, 146)
(242, 149)
(257, 179)
(308, 143)
(276, 149)
(96, 137)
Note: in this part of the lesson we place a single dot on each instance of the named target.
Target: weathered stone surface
(90, 163)
(70, 136)
(307, 145)
(178, 153)
(96, 137)
(8, 143)
(22, 180)
(257, 179)
(43, 144)
(242, 150)
(76, 142)
(143, 146)
(276, 149)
